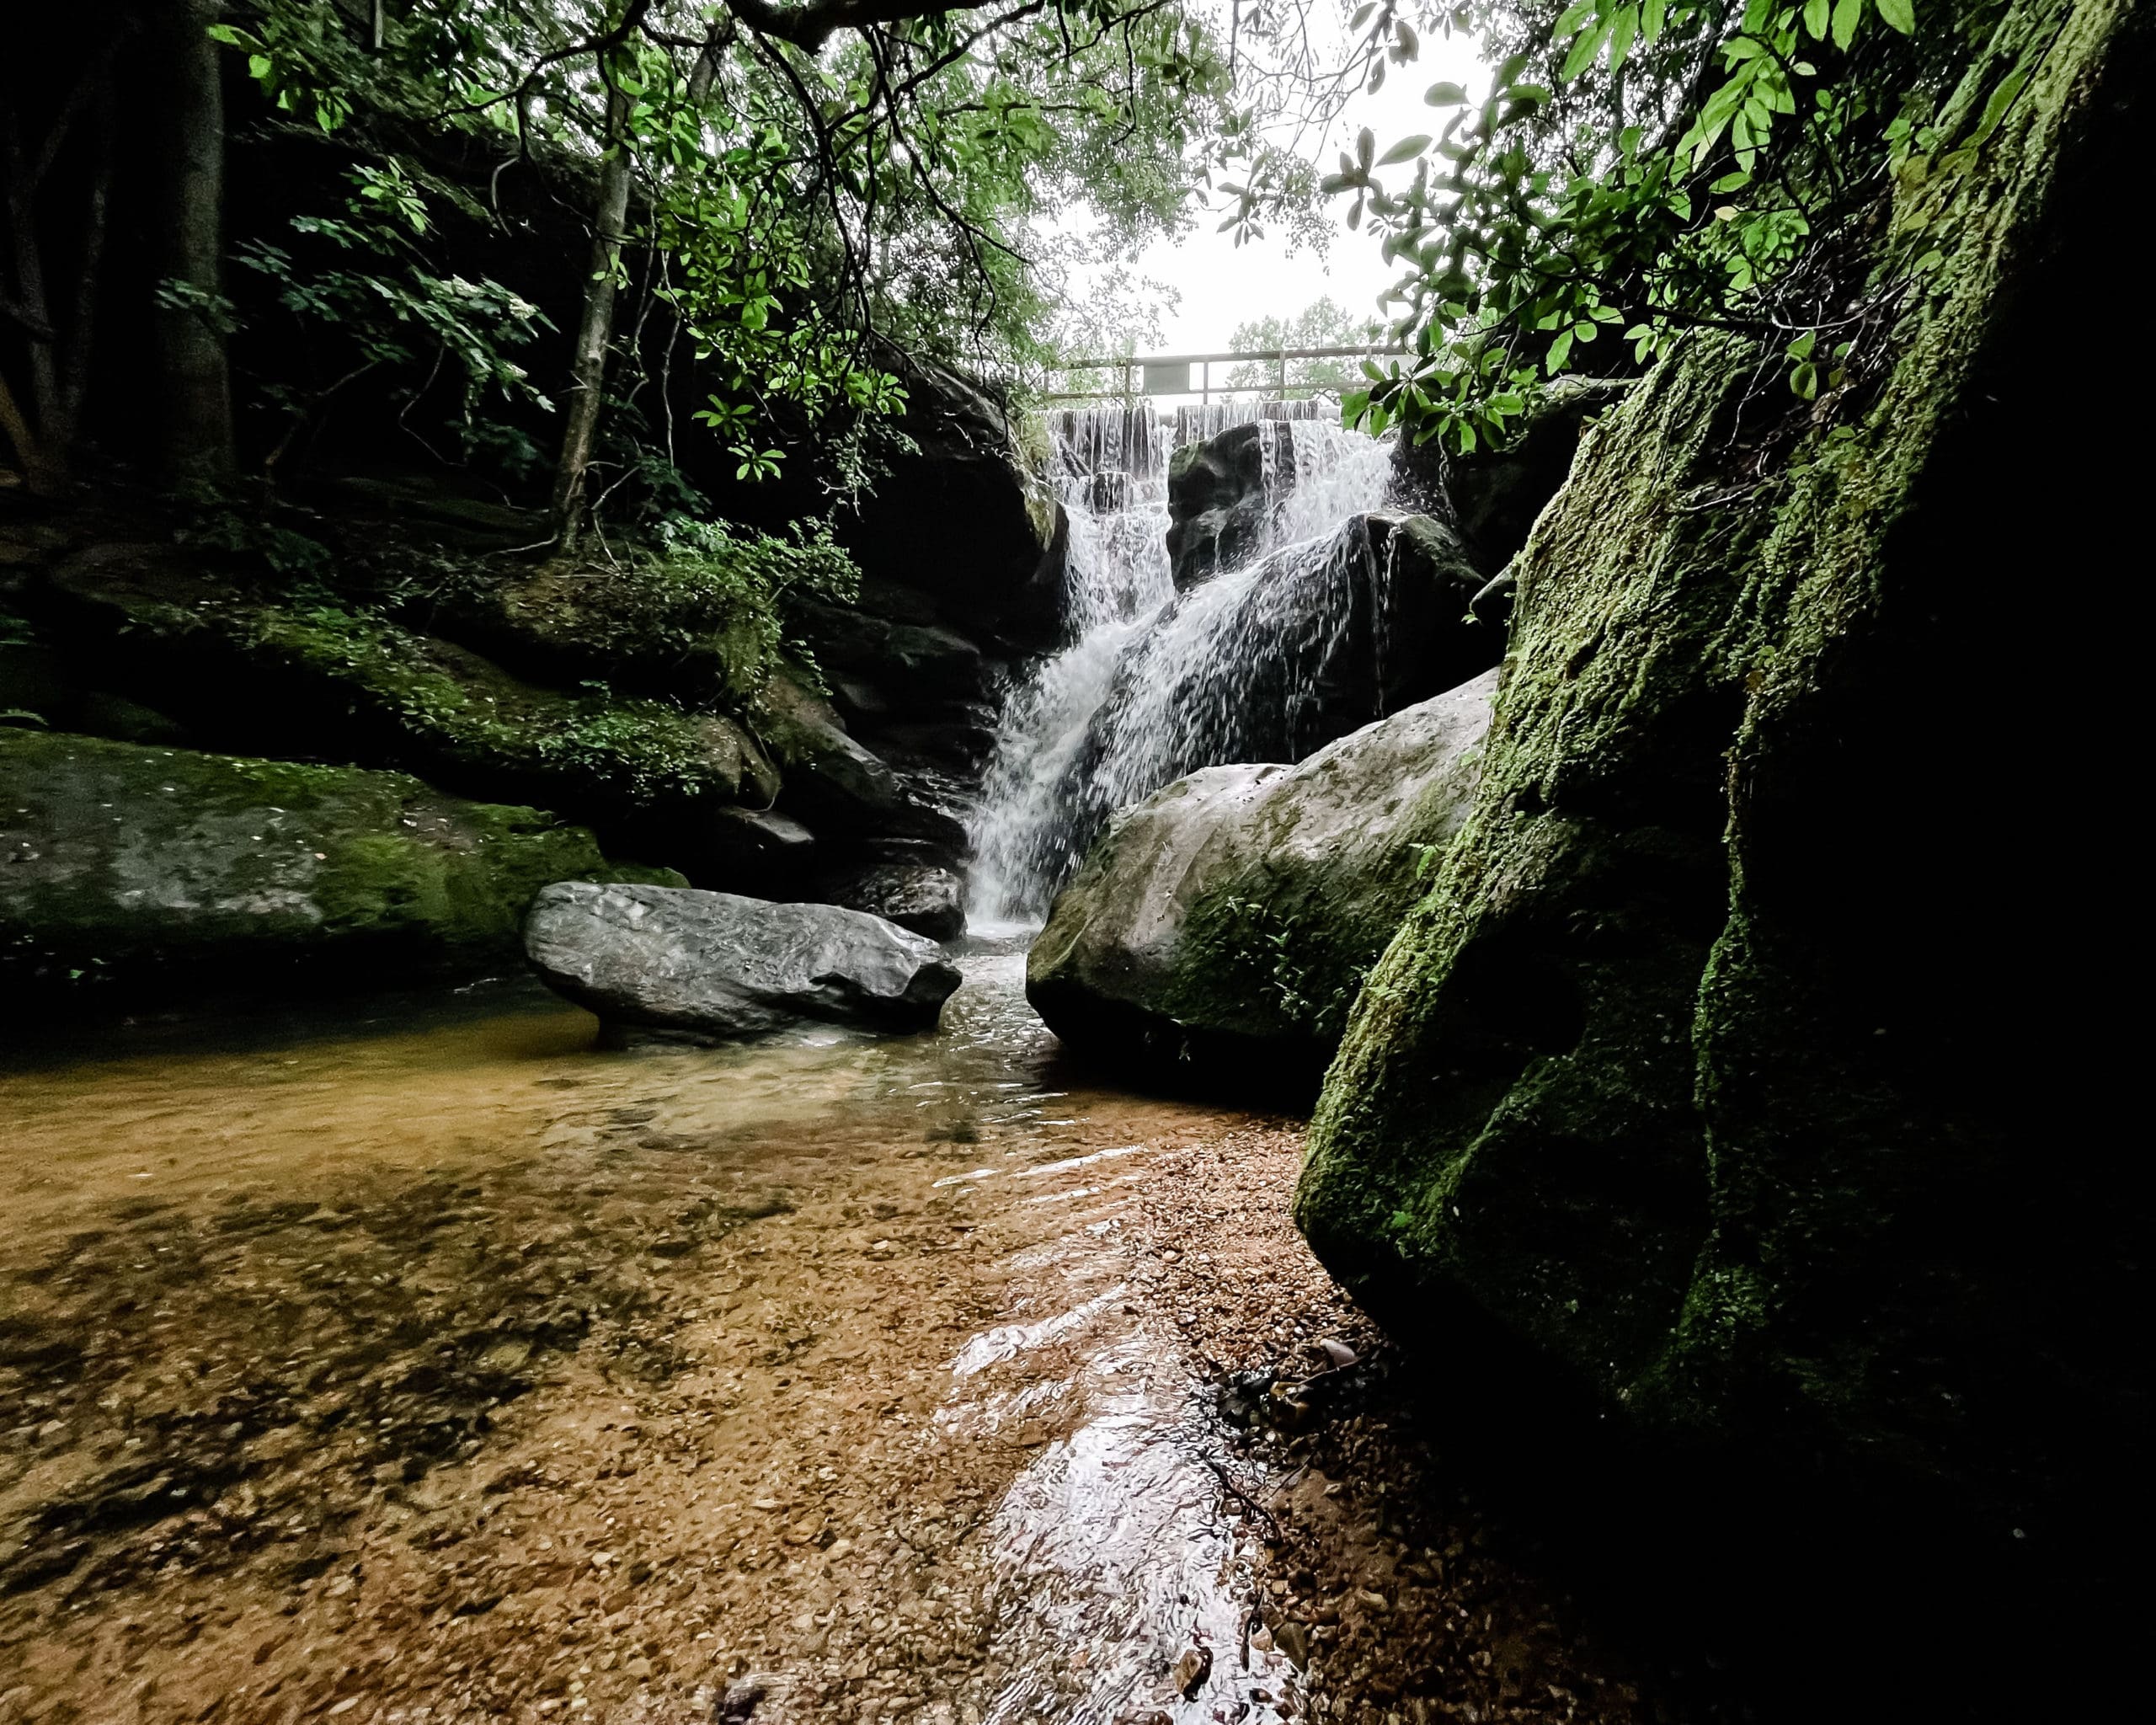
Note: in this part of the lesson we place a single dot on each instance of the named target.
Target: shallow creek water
(425, 1361)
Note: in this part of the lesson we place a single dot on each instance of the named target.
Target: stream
(418, 1360)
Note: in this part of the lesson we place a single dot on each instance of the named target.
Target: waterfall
(1153, 685)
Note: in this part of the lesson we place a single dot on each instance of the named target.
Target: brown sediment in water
(454, 1369)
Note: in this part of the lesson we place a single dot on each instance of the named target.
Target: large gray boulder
(701, 966)
(1230, 918)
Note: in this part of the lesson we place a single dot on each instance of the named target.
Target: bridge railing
(1169, 374)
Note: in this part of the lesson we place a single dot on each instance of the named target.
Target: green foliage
(723, 587)
(1264, 944)
(1639, 169)
(802, 216)
(366, 291)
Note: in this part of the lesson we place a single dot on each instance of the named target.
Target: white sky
(1224, 285)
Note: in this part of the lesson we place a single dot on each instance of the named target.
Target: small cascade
(1152, 686)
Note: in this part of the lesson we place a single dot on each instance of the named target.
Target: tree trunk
(196, 381)
(66, 413)
(588, 373)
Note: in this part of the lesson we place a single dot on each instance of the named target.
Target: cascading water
(1154, 686)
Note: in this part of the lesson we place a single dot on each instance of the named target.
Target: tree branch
(810, 26)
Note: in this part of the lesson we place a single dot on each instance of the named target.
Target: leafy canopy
(1638, 168)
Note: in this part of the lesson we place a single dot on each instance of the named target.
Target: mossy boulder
(1227, 921)
(130, 872)
(1741, 1066)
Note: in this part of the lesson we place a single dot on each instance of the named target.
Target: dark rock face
(1736, 1068)
(1228, 920)
(702, 966)
(1493, 497)
(953, 520)
(839, 787)
(926, 899)
(1217, 509)
(914, 668)
(131, 872)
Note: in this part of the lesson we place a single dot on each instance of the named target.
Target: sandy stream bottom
(429, 1364)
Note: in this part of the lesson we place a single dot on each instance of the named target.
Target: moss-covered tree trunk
(1734, 1063)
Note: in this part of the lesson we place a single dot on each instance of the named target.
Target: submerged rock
(1230, 918)
(700, 966)
(132, 872)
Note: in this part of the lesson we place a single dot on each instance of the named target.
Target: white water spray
(1153, 686)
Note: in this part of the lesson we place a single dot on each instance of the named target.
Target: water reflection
(562, 1379)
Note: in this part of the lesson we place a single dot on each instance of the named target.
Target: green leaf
(1445, 95)
(1583, 52)
(1622, 28)
(1651, 18)
(1406, 150)
(1848, 13)
(1815, 18)
(1899, 14)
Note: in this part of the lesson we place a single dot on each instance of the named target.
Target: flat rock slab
(704, 966)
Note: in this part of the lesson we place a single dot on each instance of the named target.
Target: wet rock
(913, 667)
(1191, 1671)
(835, 784)
(134, 872)
(704, 965)
(1218, 508)
(1230, 918)
(1242, 1400)
(738, 1704)
(928, 899)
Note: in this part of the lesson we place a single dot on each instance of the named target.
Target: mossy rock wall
(130, 872)
(269, 676)
(1740, 1065)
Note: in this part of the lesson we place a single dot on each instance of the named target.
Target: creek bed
(421, 1361)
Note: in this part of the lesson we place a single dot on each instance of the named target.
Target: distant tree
(1323, 323)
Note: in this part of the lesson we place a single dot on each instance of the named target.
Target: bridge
(1169, 374)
